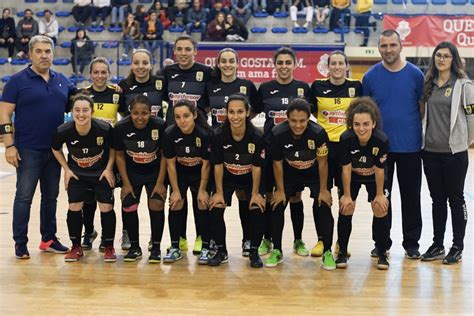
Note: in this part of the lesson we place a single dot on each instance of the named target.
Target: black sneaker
(88, 239)
(412, 253)
(133, 255)
(382, 262)
(102, 245)
(220, 257)
(255, 260)
(341, 261)
(155, 256)
(433, 253)
(374, 253)
(246, 248)
(21, 251)
(454, 256)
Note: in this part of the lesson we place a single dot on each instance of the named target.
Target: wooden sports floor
(46, 285)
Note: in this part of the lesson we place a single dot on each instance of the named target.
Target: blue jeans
(202, 27)
(151, 46)
(36, 165)
(118, 14)
(128, 44)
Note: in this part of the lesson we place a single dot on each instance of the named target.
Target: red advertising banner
(256, 63)
(429, 30)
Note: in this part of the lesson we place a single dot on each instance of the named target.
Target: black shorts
(229, 190)
(129, 200)
(369, 186)
(268, 176)
(78, 190)
(334, 166)
(292, 188)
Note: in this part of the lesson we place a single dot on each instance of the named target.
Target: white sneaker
(306, 25)
(295, 24)
(9, 59)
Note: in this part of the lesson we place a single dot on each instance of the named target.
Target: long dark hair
(432, 73)
(200, 120)
(216, 72)
(249, 127)
(131, 76)
(364, 105)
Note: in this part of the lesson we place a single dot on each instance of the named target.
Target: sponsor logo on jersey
(288, 146)
(74, 142)
(220, 114)
(115, 98)
(251, 148)
(226, 146)
(383, 158)
(199, 76)
(198, 142)
(243, 89)
(189, 161)
(327, 91)
(311, 144)
(322, 150)
(447, 92)
(174, 76)
(158, 84)
(352, 92)
(100, 141)
(155, 134)
(178, 140)
(237, 169)
(142, 157)
(375, 151)
(130, 134)
(300, 92)
(216, 90)
(133, 87)
(336, 117)
(155, 110)
(353, 152)
(300, 164)
(175, 97)
(273, 92)
(278, 116)
(87, 162)
(364, 172)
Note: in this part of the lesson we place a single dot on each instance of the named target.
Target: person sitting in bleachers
(235, 31)
(7, 32)
(259, 6)
(178, 13)
(216, 29)
(48, 26)
(152, 31)
(81, 11)
(363, 9)
(82, 49)
(241, 9)
(101, 9)
(162, 13)
(301, 7)
(119, 10)
(131, 34)
(217, 7)
(25, 30)
(140, 14)
(339, 7)
(196, 19)
(321, 9)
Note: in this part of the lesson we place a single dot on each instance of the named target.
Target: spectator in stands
(196, 19)
(278, 5)
(217, 6)
(82, 49)
(7, 32)
(339, 7)
(259, 6)
(226, 4)
(363, 9)
(25, 30)
(162, 13)
(152, 32)
(131, 34)
(178, 13)
(216, 29)
(241, 10)
(48, 26)
(101, 8)
(81, 11)
(119, 9)
(140, 14)
(301, 7)
(321, 8)
(166, 62)
(465, 67)
(235, 30)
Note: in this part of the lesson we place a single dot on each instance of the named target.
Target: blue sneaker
(21, 251)
(53, 245)
(173, 255)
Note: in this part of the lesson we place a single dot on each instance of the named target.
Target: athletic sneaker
(21, 251)
(204, 257)
(133, 254)
(337, 249)
(246, 248)
(126, 245)
(328, 261)
(197, 245)
(74, 254)
(183, 244)
(341, 261)
(173, 255)
(276, 257)
(265, 247)
(109, 255)
(53, 245)
(434, 252)
(255, 260)
(299, 248)
(318, 249)
(88, 239)
(412, 253)
(220, 257)
(374, 253)
(155, 256)
(454, 256)
(382, 262)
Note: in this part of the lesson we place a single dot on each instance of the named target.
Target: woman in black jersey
(89, 166)
(363, 154)
(142, 81)
(186, 149)
(223, 84)
(138, 140)
(238, 157)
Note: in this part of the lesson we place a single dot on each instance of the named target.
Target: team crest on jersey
(322, 151)
(243, 89)
(154, 134)
(198, 142)
(352, 92)
(115, 98)
(311, 144)
(199, 76)
(251, 148)
(158, 84)
(448, 91)
(100, 140)
(375, 151)
(300, 92)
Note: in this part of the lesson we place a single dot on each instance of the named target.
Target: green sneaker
(197, 246)
(265, 247)
(299, 248)
(183, 244)
(276, 257)
(328, 261)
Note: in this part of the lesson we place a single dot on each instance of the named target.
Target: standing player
(219, 88)
(238, 157)
(89, 166)
(333, 97)
(363, 155)
(186, 148)
(138, 140)
(273, 99)
(186, 80)
(299, 153)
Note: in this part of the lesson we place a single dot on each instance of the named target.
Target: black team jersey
(88, 155)
(189, 84)
(274, 98)
(332, 102)
(142, 147)
(364, 159)
(107, 103)
(153, 89)
(299, 155)
(218, 93)
(189, 150)
(238, 157)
